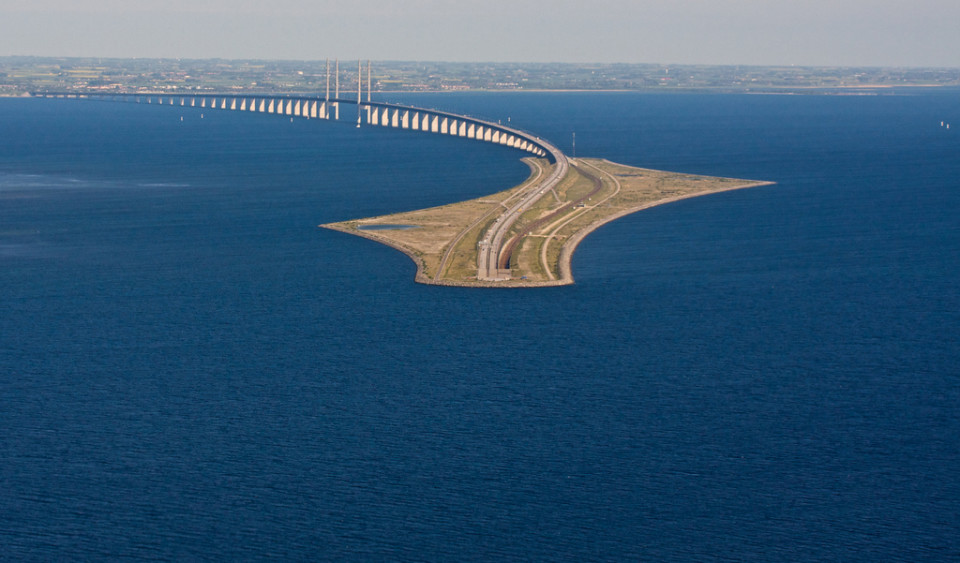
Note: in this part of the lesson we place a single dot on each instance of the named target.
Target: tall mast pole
(369, 83)
(328, 81)
(359, 88)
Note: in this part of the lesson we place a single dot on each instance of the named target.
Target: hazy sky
(766, 32)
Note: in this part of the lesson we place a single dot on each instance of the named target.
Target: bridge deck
(494, 246)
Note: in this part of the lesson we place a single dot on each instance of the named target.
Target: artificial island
(473, 243)
(521, 237)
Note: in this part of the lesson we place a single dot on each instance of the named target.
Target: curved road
(492, 244)
(492, 253)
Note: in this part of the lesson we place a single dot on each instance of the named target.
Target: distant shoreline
(865, 90)
(20, 74)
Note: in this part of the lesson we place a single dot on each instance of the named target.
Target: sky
(910, 33)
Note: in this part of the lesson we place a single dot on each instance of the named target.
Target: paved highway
(489, 258)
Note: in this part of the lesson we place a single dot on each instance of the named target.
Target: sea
(192, 370)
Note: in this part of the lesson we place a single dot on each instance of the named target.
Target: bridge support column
(385, 115)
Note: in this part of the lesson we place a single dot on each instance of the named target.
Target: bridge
(315, 107)
(495, 248)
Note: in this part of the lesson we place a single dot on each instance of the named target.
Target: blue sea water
(191, 370)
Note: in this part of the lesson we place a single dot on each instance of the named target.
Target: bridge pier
(379, 114)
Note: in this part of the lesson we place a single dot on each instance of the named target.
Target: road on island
(536, 167)
(551, 230)
(491, 256)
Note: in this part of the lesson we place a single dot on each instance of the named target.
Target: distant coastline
(26, 74)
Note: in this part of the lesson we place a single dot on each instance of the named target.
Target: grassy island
(443, 241)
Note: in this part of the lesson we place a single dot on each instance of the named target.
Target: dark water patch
(755, 375)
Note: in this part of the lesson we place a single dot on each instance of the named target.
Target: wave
(30, 182)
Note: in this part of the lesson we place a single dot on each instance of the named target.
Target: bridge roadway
(492, 260)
